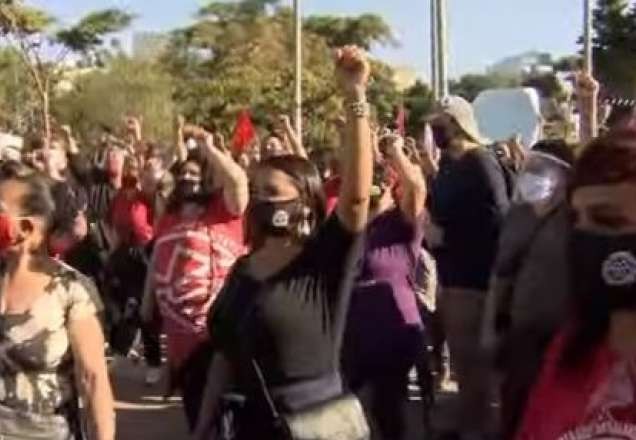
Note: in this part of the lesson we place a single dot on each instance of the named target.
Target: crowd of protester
(298, 289)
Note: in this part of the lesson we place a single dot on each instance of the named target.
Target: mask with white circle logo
(604, 268)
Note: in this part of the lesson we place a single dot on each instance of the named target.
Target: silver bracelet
(359, 109)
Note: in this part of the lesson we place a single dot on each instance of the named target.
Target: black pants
(384, 370)
(124, 332)
(192, 380)
(126, 275)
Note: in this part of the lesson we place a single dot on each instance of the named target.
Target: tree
(16, 98)
(548, 86)
(615, 46)
(125, 87)
(44, 49)
(419, 102)
(236, 56)
(471, 85)
(364, 30)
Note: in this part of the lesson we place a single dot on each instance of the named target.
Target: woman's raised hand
(352, 71)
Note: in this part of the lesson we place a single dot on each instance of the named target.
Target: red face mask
(7, 232)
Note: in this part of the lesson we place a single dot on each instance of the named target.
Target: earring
(304, 227)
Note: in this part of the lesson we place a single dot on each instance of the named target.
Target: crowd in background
(289, 281)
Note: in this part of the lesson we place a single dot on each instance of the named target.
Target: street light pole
(434, 54)
(298, 94)
(588, 62)
(442, 61)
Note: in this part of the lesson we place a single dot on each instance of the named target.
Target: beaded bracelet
(359, 109)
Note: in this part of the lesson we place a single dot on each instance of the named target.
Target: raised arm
(587, 94)
(79, 166)
(233, 178)
(135, 136)
(352, 70)
(413, 198)
(180, 144)
(295, 139)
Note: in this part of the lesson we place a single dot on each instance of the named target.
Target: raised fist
(352, 70)
(586, 85)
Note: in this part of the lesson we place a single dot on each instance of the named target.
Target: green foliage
(615, 46)
(43, 52)
(364, 30)
(419, 102)
(16, 97)
(237, 57)
(471, 85)
(128, 87)
(90, 30)
(246, 8)
(15, 16)
(547, 85)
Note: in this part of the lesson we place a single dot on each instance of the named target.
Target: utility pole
(588, 61)
(442, 60)
(434, 71)
(298, 94)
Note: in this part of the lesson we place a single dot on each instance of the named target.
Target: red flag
(400, 119)
(244, 132)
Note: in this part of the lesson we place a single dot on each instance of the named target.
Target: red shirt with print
(192, 258)
(593, 401)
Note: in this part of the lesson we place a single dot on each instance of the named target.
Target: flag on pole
(244, 132)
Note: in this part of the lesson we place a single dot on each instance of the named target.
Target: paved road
(143, 415)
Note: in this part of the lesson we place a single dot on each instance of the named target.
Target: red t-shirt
(131, 216)
(192, 258)
(596, 401)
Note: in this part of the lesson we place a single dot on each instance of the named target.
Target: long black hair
(198, 156)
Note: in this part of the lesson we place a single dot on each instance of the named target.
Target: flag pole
(298, 93)
(588, 62)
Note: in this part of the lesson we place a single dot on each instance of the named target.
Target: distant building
(149, 45)
(523, 64)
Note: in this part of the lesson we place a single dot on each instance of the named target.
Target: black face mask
(187, 189)
(604, 266)
(441, 137)
(276, 219)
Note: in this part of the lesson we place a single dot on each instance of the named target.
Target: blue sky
(481, 31)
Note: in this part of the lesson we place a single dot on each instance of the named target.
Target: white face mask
(535, 188)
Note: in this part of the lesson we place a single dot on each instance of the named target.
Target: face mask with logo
(535, 188)
(192, 144)
(276, 218)
(605, 265)
(187, 189)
